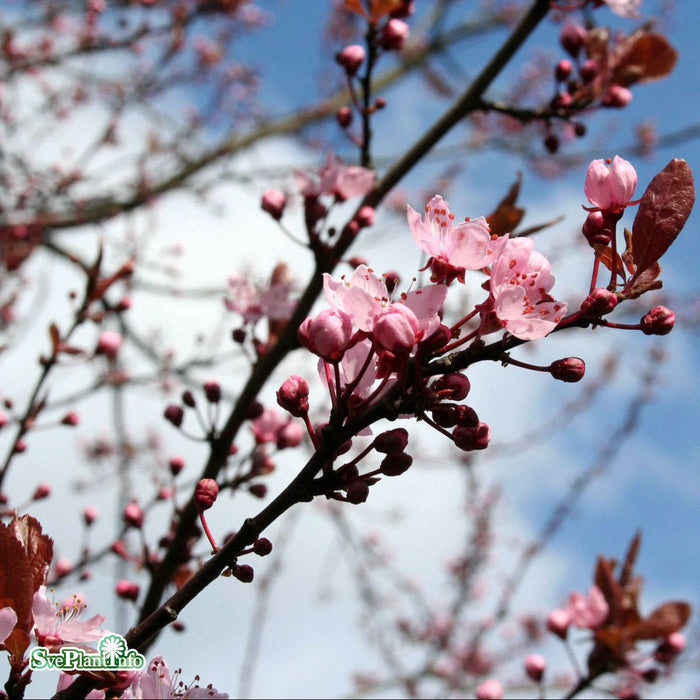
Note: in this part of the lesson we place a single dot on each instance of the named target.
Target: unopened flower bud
(119, 548)
(351, 58)
(394, 35)
(589, 70)
(490, 689)
(243, 573)
(454, 386)
(257, 490)
(124, 304)
(563, 70)
(573, 38)
(357, 492)
(395, 464)
(212, 390)
(344, 117)
(568, 369)
(90, 514)
(558, 623)
(63, 567)
(176, 465)
(188, 398)
(445, 415)
(551, 143)
(610, 185)
(20, 446)
(617, 97)
(127, 590)
(133, 515)
(476, 438)
(671, 647)
(174, 414)
(365, 217)
(659, 321)
(437, 340)
(293, 396)
(4, 420)
(327, 335)
(205, 493)
(598, 303)
(466, 416)
(273, 202)
(108, 343)
(42, 491)
(391, 441)
(255, 410)
(535, 666)
(71, 418)
(262, 546)
(597, 229)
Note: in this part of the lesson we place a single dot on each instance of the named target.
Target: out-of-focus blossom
(334, 178)
(254, 303)
(589, 611)
(157, 683)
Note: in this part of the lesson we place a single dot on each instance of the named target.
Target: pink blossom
(520, 284)
(490, 689)
(254, 303)
(8, 620)
(57, 626)
(336, 179)
(365, 298)
(108, 343)
(156, 683)
(452, 249)
(271, 427)
(610, 187)
(589, 611)
(625, 8)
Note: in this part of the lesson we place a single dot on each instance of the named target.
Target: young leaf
(663, 211)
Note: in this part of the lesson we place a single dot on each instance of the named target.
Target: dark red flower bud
(42, 491)
(344, 117)
(467, 417)
(445, 415)
(255, 410)
(569, 369)
(437, 340)
(573, 38)
(293, 396)
(468, 439)
(238, 335)
(365, 217)
(395, 464)
(205, 493)
(174, 414)
(551, 143)
(258, 490)
(119, 548)
(212, 390)
(357, 492)
(453, 386)
(262, 546)
(558, 622)
(90, 514)
(659, 321)
(589, 70)
(597, 229)
(394, 35)
(243, 573)
(391, 441)
(188, 398)
(128, 590)
(598, 303)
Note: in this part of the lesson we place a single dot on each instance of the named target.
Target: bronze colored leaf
(378, 8)
(630, 558)
(605, 256)
(663, 211)
(665, 620)
(37, 545)
(506, 217)
(648, 58)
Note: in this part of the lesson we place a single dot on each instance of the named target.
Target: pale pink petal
(8, 620)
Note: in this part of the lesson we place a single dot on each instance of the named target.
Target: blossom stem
(461, 341)
(208, 533)
(506, 359)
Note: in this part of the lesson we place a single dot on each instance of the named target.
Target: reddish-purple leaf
(37, 545)
(665, 620)
(663, 211)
